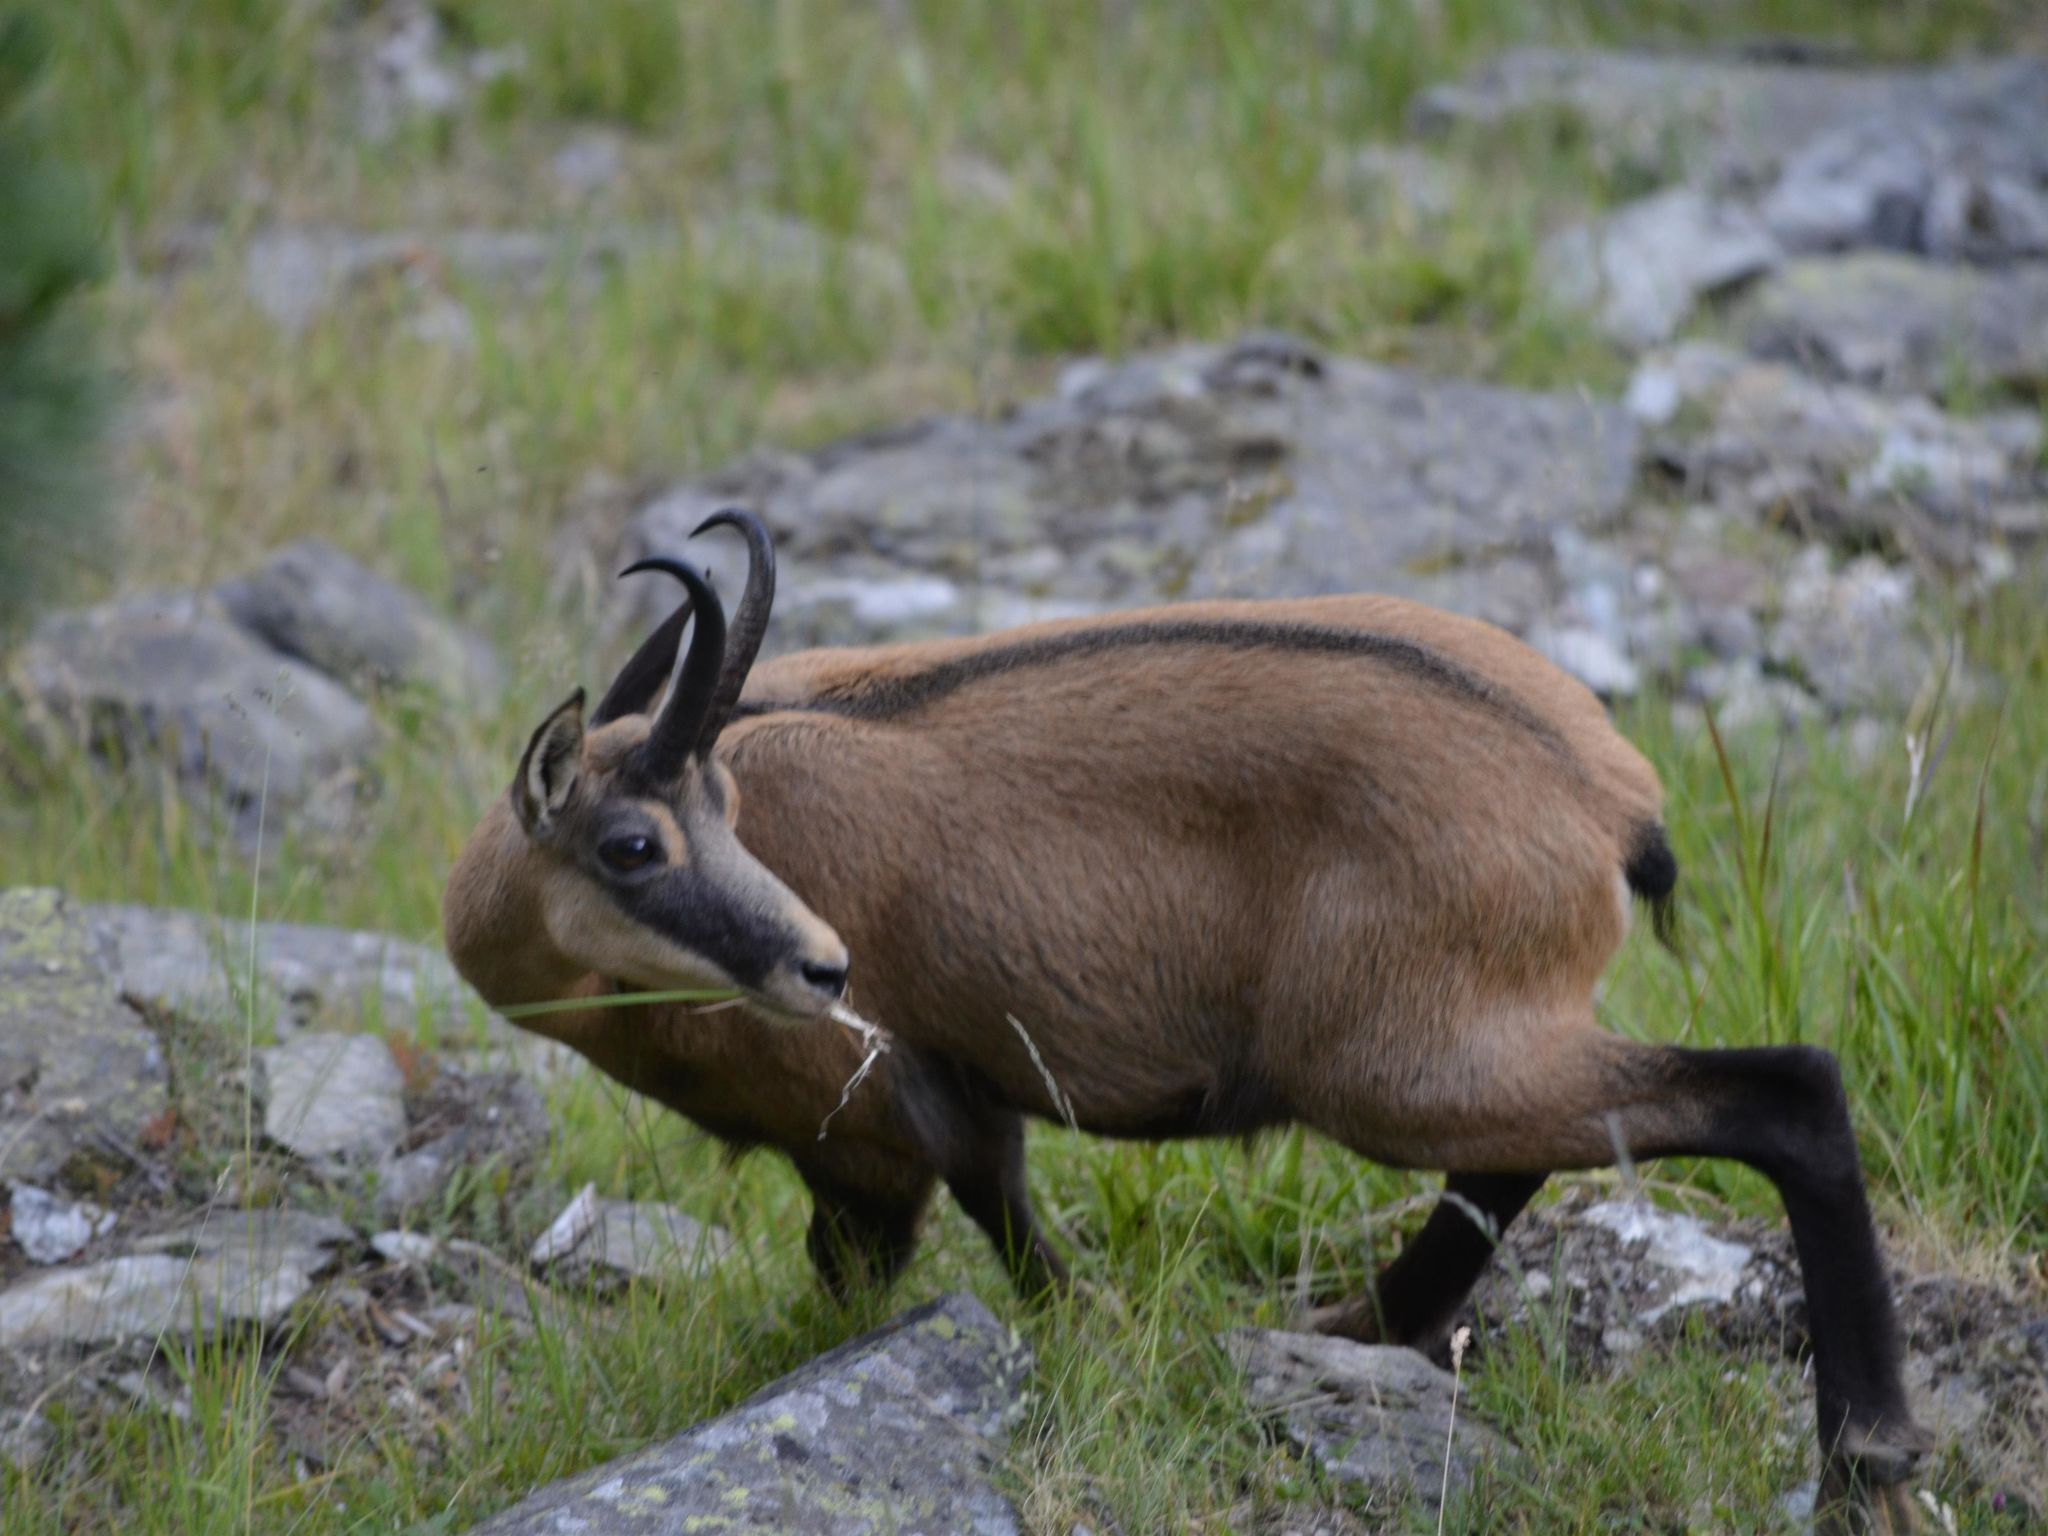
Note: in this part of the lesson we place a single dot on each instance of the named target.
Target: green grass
(1164, 171)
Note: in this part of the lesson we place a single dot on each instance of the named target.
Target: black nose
(828, 979)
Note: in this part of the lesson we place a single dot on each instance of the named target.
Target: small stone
(396, 1247)
(592, 160)
(236, 1266)
(628, 1238)
(335, 1100)
(1371, 1415)
(1697, 1266)
(1589, 656)
(51, 1230)
(25, 1440)
(1796, 1504)
(1642, 269)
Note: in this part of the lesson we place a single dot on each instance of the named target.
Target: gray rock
(1692, 1264)
(51, 1230)
(80, 1075)
(296, 274)
(1590, 656)
(1729, 119)
(169, 676)
(1644, 267)
(338, 1101)
(638, 1239)
(397, 1247)
(1902, 323)
(407, 72)
(199, 964)
(1262, 467)
(1851, 634)
(1371, 1415)
(1774, 445)
(1949, 158)
(235, 1266)
(1403, 181)
(593, 159)
(315, 604)
(1958, 169)
(893, 1432)
(25, 1440)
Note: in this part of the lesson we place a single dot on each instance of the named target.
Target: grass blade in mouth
(622, 1000)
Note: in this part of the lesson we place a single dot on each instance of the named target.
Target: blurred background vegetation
(53, 387)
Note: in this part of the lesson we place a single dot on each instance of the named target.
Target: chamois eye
(626, 854)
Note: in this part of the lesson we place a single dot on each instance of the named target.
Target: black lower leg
(856, 1240)
(987, 1178)
(1782, 1111)
(1419, 1294)
(1416, 1298)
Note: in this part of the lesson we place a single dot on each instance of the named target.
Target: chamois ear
(547, 773)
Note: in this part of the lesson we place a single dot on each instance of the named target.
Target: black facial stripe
(889, 698)
(698, 915)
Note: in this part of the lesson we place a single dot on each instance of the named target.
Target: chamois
(1350, 862)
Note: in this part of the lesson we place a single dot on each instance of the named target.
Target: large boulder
(311, 602)
(294, 975)
(1730, 119)
(169, 675)
(81, 1077)
(894, 1432)
(1951, 159)
(1261, 468)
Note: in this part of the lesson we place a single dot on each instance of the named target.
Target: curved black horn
(750, 623)
(638, 684)
(679, 729)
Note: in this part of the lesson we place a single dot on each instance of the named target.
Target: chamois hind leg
(1579, 1097)
(986, 1175)
(1417, 1296)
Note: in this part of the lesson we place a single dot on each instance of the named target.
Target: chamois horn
(679, 729)
(638, 684)
(750, 623)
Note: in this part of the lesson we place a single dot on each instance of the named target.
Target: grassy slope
(1168, 178)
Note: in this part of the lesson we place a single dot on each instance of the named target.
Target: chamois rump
(1350, 862)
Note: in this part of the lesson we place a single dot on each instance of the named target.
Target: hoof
(1885, 1510)
(1884, 1454)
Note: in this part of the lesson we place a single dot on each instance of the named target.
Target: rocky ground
(128, 1247)
(1834, 290)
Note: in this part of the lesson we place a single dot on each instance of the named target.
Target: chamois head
(646, 881)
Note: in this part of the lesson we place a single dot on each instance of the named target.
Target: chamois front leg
(986, 1175)
(858, 1237)
(1416, 1297)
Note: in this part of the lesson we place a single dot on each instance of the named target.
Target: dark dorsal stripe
(893, 697)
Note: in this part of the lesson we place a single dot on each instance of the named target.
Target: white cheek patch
(594, 933)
